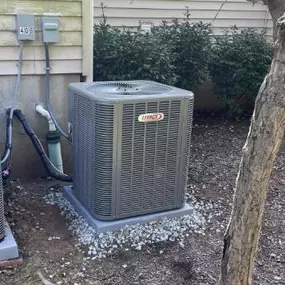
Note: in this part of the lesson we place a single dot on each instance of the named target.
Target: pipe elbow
(41, 110)
(45, 113)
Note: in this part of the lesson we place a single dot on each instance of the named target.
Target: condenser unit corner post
(8, 246)
(131, 146)
(2, 218)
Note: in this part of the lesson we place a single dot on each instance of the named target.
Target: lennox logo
(151, 117)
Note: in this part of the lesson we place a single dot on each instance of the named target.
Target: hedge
(185, 54)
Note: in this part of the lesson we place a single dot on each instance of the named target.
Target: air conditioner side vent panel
(92, 155)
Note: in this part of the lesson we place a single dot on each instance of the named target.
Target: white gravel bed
(129, 237)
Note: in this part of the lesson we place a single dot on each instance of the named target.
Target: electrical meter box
(26, 27)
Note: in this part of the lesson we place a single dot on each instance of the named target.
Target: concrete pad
(105, 226)
(8, 247)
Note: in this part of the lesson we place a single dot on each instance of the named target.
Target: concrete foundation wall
(25, 161)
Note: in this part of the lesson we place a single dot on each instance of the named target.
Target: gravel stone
(131, 236)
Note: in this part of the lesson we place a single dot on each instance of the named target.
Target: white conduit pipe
(45, 113)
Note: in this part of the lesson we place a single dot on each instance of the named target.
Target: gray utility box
(131, 144)
(50, 26)
(26, 27)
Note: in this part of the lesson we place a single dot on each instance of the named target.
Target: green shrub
(191, 48)
(174, 53)
(239, 62)
(185, 54)
(128, 55)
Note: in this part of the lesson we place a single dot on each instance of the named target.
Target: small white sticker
(27, 31)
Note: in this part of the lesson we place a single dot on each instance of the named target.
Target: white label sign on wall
(26, 31)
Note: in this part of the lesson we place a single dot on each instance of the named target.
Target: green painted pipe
(54, 149)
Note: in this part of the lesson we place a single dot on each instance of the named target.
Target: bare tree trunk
(276, 8)
(258, 155)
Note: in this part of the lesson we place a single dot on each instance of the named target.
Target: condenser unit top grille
(128, 88)
(124, 91)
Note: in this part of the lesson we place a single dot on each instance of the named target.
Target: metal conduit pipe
(47, 94)
(9, 130)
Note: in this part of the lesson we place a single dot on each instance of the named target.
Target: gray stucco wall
(25, 162)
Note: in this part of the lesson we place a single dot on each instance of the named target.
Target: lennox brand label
(151, 117)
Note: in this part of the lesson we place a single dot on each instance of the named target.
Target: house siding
(71, 59)
(66, 56)
(238, 13)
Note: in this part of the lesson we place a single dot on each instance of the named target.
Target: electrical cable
(47, 94)
(9, 130)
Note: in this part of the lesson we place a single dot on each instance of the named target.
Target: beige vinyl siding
(71, 61)
(240, 13)
(66, 56)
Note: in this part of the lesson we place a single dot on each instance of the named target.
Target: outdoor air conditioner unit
(131, 144)
(2, 221)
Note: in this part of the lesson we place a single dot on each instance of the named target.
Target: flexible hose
(50, 168)
(47, 94)
(9, 131)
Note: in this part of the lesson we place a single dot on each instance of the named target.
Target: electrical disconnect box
(26, 27)
(50, 26)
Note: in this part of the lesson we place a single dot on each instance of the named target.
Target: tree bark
(277, 9)
(258, 155)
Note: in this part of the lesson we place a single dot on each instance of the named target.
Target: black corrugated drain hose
(50, 168)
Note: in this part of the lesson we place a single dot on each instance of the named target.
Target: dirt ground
(216, 150)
